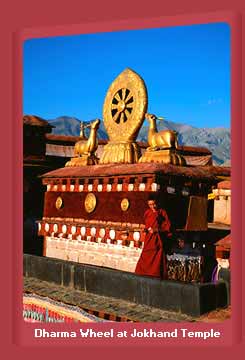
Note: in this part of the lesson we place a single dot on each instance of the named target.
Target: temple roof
(63, 139)
(34, 120)
(205, 173)
(195, 150)
(225, 242)
(224, 185)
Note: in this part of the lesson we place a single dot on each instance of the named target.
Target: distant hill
(65, 125)
(215, 139)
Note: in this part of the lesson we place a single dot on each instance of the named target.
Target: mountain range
(216, 140)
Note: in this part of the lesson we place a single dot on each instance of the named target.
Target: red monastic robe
(152, 260)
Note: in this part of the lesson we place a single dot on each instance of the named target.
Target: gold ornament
(163, 145)
(124, 204)
(59, 203)
(165, 139)
(124, 111)
(84, 150)
(90, 202)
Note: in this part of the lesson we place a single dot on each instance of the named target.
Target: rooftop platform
(205, 173)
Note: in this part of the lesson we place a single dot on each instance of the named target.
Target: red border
(96, 18)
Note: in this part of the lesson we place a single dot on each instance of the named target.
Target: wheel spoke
(130, 106)
(124, 94)
(117, 97)
(122, 105)
(129, 100)
(127, 113)
(116, 117)
(128, 96)
(122, 118)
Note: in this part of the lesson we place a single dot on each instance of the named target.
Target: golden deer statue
(84, 151)
(165, 139)
(163, 145)
(90, 146)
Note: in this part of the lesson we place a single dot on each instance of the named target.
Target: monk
(152, 261)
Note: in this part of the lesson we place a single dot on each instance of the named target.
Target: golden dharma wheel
(125, 106)
(90, 202)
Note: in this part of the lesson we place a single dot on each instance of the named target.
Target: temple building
(44, 151)
(80, 221)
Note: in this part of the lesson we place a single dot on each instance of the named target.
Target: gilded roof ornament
(124, 111)
(84, 151)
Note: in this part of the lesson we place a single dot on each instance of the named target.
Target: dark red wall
(108, 206)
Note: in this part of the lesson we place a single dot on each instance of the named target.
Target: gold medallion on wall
(59, 203)
(90, 202)
(125, 204)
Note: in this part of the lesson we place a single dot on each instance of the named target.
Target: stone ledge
(101, 304)
(191, 299)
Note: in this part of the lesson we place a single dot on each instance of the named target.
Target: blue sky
(186, 70)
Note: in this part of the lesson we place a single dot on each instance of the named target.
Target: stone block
(225, 276)
(207, 297)
(79, 277)
(165, 294)
(142, 295)
(67, 274)
(188, 298)
(110, 282)
(46, 269)
(221, 295)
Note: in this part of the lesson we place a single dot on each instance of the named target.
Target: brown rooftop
(65, 139)
(73, 139)
(34, 120)
(194, 150)
(225, 242)
(61, 138)
(205, 173)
